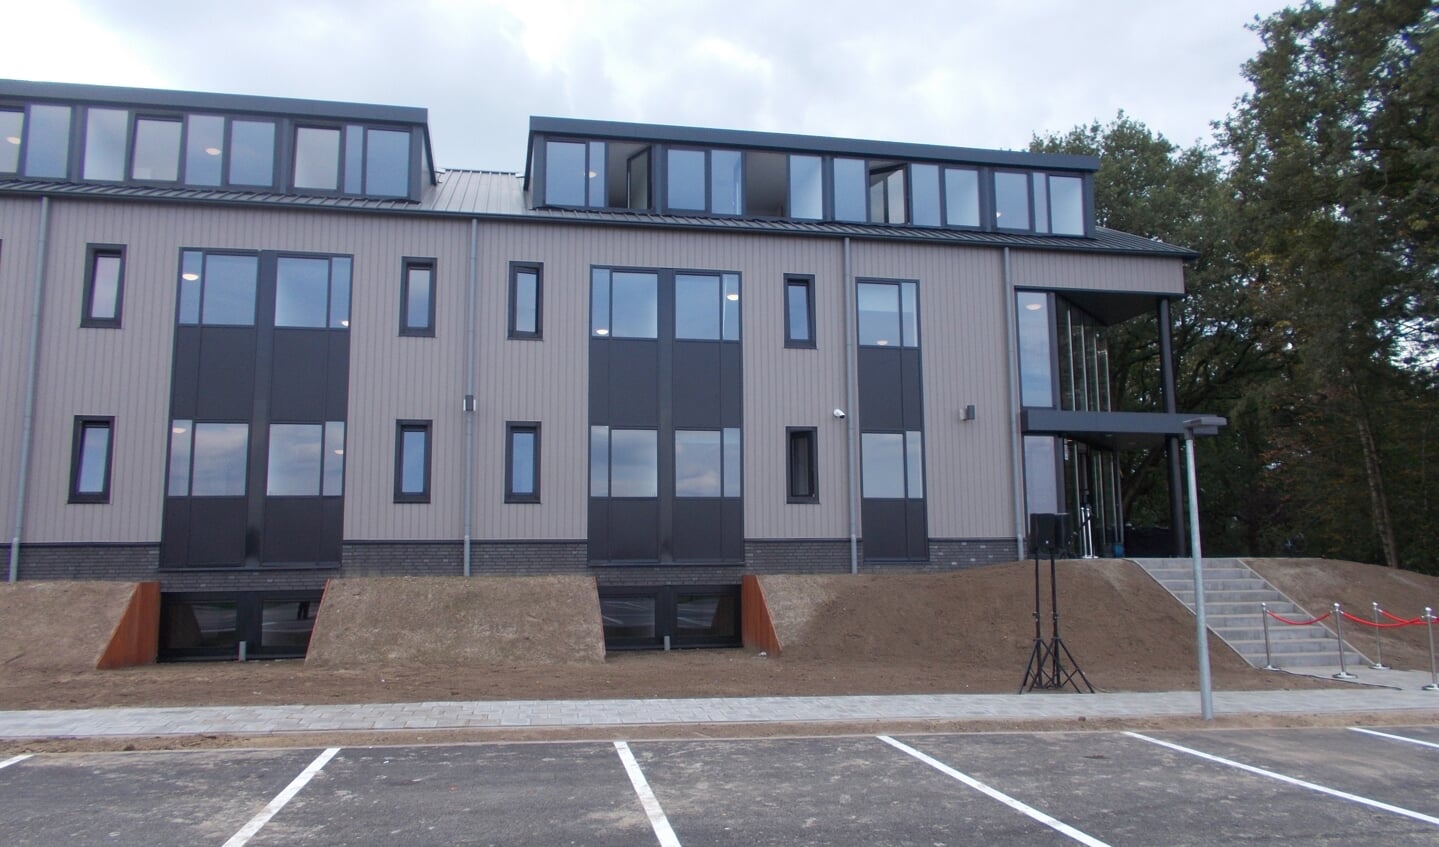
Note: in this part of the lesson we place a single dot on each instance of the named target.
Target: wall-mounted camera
(839, 413)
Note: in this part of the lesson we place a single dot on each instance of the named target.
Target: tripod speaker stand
(1047, 659)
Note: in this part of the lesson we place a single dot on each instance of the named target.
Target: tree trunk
(1378, 502)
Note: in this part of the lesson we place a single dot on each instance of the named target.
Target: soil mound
(1317, 584)
(458, 621)
(1113, 617)
(59, 625)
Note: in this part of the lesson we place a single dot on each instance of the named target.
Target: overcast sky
(969, 73)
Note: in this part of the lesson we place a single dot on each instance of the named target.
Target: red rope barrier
(1283, 619)
(1372, 624)
(1405, 621)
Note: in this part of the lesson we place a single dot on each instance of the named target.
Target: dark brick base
(447, 558)
(120, 562)
(810, 555)
(958, 553)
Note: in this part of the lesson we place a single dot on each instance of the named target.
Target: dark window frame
(401, 428)
(811, 434)
(807, 281)
(87, 315)
(511, 428)
(407, 264)
(538, 269)
(132, 145)
(290, 148)
(83, 423)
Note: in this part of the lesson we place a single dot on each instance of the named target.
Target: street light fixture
(1194, 428)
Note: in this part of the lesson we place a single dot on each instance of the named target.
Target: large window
(707, 463)
(799, 311)
(306, 460)
(412, 462)
(1066, 205)
(961, 197)
(312, 292)
(217, 289)
(706, 307)
(105, 131)
(624, 304)
(597, 174)
(526, 299)
(522, 462)
(104, 285)
(156, 156)
(1036, 349)
(888, 314)
(892, 465)
(417, 297)
(624, 462)
(208, 459)
(387, 162)
(317, 158)
(252, 153)
(802, 465)
(685, 177)
(1011, 200)
(90, 460)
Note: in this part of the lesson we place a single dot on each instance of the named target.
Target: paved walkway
(265, 720)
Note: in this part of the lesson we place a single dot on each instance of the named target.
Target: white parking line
(1052, 823)
(15, 760)
(651, 804)
(273, 808)
(1322, 789)
(1366, 732)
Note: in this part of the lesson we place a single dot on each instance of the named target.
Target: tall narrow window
(252, 153)
(47, 142)
(12, 127)
(90, 460)
(204, 149)
(104, 285)
(105, 131)
(799, 311)
(522, 462)
(412, 462)
(317, 158)
(417, 297)
(686, 180)
(924, 194)
(526, 300)
(1011, 200)
(387, 162)
(156, 153)
(806, 187)
(802, 464)
(961, 197)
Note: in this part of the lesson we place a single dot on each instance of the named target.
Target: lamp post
(1193, 428)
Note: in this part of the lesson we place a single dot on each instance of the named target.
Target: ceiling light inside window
(178, 430)
(732, 297)
(212, 151)
(189, 277)
(602, 332)
(1034, 307)
(883, 342)
(12, 139)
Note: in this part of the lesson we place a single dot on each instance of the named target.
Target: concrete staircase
(1232, 597)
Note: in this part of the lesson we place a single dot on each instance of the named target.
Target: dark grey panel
(633, 384)
(599, 529)
(337, 385)
(634, 530)
(732, 544)
(599, 381)
(698, 529)
(731, 385)
(332, 529)
(881, 389)
(175, 537)
(917, 531)
(298, 379)
(293, 529)
(912, 390)
(696, 376)
(221, 539)
(226, 375)
(883, 523)
(185, 382)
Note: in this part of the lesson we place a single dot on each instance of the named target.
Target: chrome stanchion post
(1429, 625)
(1339, 636)
(1378, 642)
(1268, 659)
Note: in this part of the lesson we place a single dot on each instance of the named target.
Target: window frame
(93, 252)
(292, 153)
(511, 429)
(77, 445)
(401, 428)
(807, 281)
(811, 434)
(407, 264)
(137, 116)
(517, 268)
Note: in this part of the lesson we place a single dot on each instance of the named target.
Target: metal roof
(500, 196)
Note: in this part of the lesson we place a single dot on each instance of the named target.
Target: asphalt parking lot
(1211, 787)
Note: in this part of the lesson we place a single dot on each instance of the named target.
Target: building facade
(253, 344)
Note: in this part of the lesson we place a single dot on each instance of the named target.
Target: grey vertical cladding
(1133, 274)
(19, 224)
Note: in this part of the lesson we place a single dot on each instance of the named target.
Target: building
(255, 343)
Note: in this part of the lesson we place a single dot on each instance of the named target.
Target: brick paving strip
(266, 720)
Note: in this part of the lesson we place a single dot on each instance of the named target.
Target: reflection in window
(565, 173)
(105, 131)
(851, 191)
(697, 307)
(219, 459)
(806, 187)
(387, 163)
(686, 180)
(287, 623)
(354, 165)
(12, 129)
(252, 153)
(1041, 489)
(802, 464)
(47, 142)
(412, 462)
(886, 193)
(157, 150)
(798, 312)
(698, 464)
(888, 314)
(726, 182)
(302, 291)
(103, 287)
(317, 158)
(227, 290)
(710, 615)
(525, 299)
(1036, 374)
(296, 455)
(204, 149)
(182, 434)
(1011, 201)
(417, 298)
(90, 477)
(924, 194)
(624, 304)
(599, 461)
(634, 463)
(1066, 204)
(961, 197)
(732, 487)
(1041, 203)
(333, 484)
(522, 462)
(628, 617)
(196, 623)
(340, 291)
(892, 465)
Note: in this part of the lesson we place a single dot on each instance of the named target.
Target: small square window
(104, 285)
(90, 460)
(799, 311)
(417, 297)
(522, 462)
(801, 461)
(526, 299)
(412, 462)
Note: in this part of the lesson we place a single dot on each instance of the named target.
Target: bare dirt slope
(406, 621)
(60, 626)
(1317, 584)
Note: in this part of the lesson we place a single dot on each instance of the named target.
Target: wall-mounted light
(967, 413)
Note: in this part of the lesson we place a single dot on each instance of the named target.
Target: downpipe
(32, 366)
